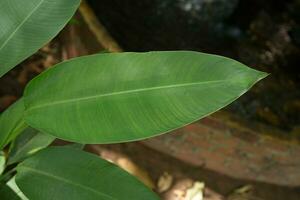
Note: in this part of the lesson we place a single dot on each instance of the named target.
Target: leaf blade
(28, 143)
(27, 25)
(130, 96)
(79, 175)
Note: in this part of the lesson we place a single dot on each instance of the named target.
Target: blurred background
(250, 149)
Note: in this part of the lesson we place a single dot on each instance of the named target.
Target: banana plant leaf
(29, 142)
(62, 173)
(122, 97)
(26, 25)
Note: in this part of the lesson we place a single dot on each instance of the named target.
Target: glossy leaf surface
(26, 25)
(109, 98)
(12, 122)
(66, 173)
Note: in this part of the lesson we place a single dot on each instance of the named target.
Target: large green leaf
(66, 173)
(12, 122)
(26, 25)
(28, 143)
(120, 97)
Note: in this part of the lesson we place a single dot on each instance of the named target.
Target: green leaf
(26, 25)
(119, 97)
(62, 173)
(12, 122)
(6, 193)
(28, 143)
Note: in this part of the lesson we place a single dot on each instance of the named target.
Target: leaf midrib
(21, 24)
(67, 181)
(122, 92)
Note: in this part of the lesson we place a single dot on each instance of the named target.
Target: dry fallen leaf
(195, 192)
(135, 170)
(164, 182)
(179, 194)
(243, 193)
(124, 162)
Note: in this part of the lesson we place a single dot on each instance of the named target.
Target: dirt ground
(157, 165)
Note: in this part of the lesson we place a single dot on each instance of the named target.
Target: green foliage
(29, 142)
(12, 122)
(108, 98)
(6, 193)
(69, 173)
(27, 25)
(103, 98)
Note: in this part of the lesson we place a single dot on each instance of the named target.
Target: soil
(218, 186)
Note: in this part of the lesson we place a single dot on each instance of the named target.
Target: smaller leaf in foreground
(67, 173)
(28, 143)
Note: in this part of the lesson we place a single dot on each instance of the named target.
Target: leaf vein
(21, 24)
(123, 92)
